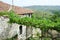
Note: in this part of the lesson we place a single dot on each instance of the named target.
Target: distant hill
(44, 11)
(43, 8)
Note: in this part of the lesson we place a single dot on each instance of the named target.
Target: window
(29, 15)
(20, 28)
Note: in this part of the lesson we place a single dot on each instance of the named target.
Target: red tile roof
(16, 9)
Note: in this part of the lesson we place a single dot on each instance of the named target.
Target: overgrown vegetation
(44, 23)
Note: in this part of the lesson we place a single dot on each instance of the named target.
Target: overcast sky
(34, 2)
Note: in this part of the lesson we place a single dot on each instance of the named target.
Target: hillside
(44, 11)
(43, 8)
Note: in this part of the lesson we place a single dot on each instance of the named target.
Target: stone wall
(7, 30)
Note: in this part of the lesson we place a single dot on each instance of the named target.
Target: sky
(23, 3)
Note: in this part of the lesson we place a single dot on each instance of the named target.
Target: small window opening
(20, 28)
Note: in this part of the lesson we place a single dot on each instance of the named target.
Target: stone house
(7, 30)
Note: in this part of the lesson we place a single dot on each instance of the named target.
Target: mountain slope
(44, 11)
(44, 8)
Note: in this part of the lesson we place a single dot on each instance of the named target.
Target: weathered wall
(23, 35)
(7, 30)
(35, 31)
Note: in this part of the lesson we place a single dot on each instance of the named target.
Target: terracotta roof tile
(18, 10)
